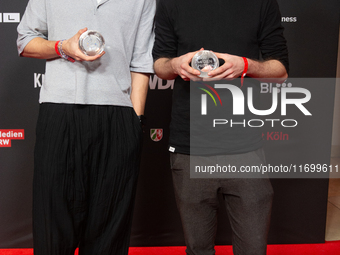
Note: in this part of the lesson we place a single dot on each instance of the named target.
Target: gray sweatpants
(248, 203)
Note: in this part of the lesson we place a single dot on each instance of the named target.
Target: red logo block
(7, 135)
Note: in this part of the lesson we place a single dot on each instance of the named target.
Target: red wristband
(56, 48)
(244, 70)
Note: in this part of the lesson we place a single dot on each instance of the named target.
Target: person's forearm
(164, 69)
(139, 90)
(170, 68)
(44, 49)
(40, 48)
(270, 69)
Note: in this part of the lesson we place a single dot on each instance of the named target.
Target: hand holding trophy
(91, 43)
(204, 61)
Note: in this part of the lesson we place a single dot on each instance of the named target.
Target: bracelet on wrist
(61, 53)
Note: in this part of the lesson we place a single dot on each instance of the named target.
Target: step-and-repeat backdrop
(299, 211)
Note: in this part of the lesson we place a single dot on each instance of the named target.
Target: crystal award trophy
(204, 61)
(91, 43)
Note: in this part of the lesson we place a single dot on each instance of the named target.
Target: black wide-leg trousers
(85, 176)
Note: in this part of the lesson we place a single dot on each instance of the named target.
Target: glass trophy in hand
(204, 61)
(91, 43)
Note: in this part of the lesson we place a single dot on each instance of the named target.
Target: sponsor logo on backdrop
(268, 87)
(39, 80)
(7, 135)
(156, 134)
(157, 83)
(288, 19)
(7, 17)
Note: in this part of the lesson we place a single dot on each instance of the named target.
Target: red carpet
(328, 248)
